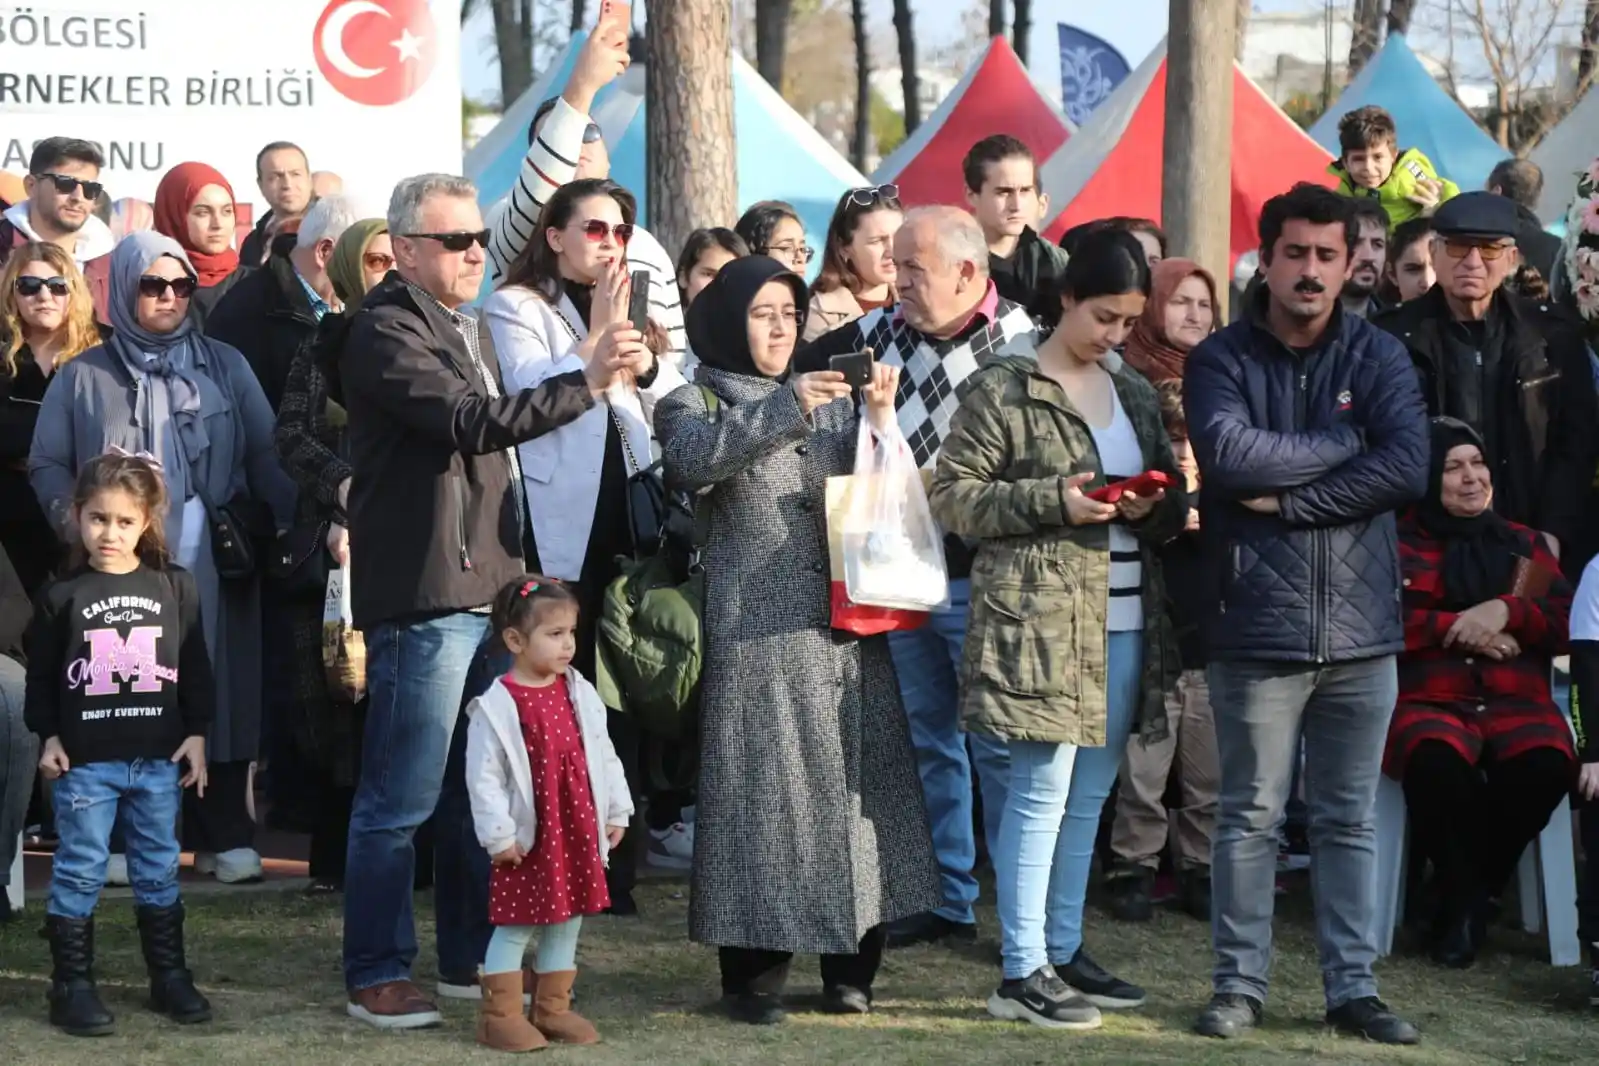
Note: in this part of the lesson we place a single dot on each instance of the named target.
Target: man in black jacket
(1515, 371)
(436, 517)
(1521, 181)
(283, 175)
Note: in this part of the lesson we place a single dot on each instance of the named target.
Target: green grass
(270, 963)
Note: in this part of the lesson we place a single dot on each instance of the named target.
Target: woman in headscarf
(158, 386)
(811, 830)
(310, 441)
(1181, 312)
(1479, 745)
(194, 206)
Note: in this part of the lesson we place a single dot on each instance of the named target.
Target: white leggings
(557, 947)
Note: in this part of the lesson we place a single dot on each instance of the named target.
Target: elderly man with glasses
(1516, 371)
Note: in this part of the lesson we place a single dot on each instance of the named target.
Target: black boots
(172, 990)
(75, 1006)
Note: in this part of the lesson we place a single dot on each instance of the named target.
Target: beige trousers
(1142, 822)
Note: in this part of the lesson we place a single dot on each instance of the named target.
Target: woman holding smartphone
(1068, 646)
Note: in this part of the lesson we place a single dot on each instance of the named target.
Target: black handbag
(236, 528)
(648, 502)
(299, 563)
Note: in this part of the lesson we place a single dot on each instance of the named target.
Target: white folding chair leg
(1393, 825)
(1529, 889)
(1557, 866)
(15, 888)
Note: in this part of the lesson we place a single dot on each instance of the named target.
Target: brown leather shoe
(394, 1005)
(501, 1025)
(553, 1013)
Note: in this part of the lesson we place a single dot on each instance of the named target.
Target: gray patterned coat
(811, 827)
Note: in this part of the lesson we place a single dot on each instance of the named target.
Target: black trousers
(220, 820)
(1474, 822)
(766, 972)
(330, 833)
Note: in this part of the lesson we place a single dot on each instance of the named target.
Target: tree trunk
(513, 40)
(689, 151)
(996, 18)
(1022, 29)
(863, 87)
(1368, 32)
(1196, 191)
(909, 80)
(579, 14)
(1588, 58)
(1245, 9)
(771, 39)
(1400, 12)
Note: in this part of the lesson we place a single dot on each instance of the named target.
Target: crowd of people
(1207, 581)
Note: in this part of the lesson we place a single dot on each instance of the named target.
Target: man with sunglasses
(63, 183)
(1514, 370)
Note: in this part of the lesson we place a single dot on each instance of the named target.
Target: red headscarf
(173, 198)
(1149, 351)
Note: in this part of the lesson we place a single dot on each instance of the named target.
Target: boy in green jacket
(1403, 182)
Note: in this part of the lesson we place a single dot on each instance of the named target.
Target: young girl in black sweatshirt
(120, 691)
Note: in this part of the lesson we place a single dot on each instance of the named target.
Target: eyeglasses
(1489, 252)
(154, 287)
(453, 242)
(887, 193)
(376, 261)
(591, 134)
(802, 252)
(28, 285)
(597, 230)
(65, 183)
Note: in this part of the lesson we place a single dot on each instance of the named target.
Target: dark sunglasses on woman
(453, 242)
(596, 230)
(28, 285)
(887, 194)
(154, 287)
(65, 183)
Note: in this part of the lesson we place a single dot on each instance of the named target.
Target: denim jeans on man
(413, 760)
(1046, 839)
(927, 662)
(1261, 710)
(87, 798)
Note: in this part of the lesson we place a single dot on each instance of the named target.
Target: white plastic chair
(15, 889)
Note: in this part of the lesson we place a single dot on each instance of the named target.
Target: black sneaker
(846, 999)
(754, 1008)
(1131, 895)
(1370, 1017)
(1099, 986)
(928, 928)
(1229, 1014)
(1593, 986)
(1196, 892)
(1043, 999)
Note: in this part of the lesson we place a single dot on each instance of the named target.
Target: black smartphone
(855, 366)
(638, 304)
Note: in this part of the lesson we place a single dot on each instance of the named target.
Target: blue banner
(1090, 70)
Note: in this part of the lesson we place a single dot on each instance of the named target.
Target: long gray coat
(811, 827)
(89, 407)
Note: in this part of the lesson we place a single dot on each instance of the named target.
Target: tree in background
(1022, 29)
(1588, 57)
(1368, 16)
(579, 14)
(910, 82)
(513, 43)
(1400, 12)
(1518, 42)
(771, 38)
(996, 18)
(860, 139)
(690, 151)
(1245, 9)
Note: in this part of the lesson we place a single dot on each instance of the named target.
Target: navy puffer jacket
(1340, 437)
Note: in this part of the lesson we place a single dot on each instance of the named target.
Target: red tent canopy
(996, 95)
(1113, 166)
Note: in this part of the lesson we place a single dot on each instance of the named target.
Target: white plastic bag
(343, 649)
(893, 550)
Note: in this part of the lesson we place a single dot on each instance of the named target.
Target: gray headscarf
(167, 409)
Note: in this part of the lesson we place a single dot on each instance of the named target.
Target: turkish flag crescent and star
(375, 52)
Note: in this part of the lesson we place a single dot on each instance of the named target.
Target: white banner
(371, 89)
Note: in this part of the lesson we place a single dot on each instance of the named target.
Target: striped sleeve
(551, 162)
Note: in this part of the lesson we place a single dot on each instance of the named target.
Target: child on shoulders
(1371, 164)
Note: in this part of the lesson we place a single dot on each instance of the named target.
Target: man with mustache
(1309, 430)
(1368, 257)
(1514, 370)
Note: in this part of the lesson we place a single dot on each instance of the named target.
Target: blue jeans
(87, 798)
(1262, 709)
(413, 761)
(1051, 819)
(927, 662)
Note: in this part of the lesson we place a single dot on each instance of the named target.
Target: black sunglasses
(65, 183)
(453, 242)
(591, 133)
(888, 193)
(154, 287)
(28, 285)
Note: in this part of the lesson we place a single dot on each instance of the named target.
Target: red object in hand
(1144, 484)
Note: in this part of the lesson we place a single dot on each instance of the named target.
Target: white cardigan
(499, 778)
(561, 469)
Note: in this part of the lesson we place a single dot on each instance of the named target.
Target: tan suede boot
(553, 1013)
(500, 1022)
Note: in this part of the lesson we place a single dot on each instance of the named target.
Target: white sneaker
(205, 863)
(237, 866)
(673, 848)
(116, 870)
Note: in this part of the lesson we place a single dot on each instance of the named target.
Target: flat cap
(1477, 214)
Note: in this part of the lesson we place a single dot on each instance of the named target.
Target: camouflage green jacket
(1034, 664)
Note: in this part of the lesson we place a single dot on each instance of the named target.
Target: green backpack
(651, 641)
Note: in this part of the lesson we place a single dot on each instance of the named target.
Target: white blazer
(561, 470)
(499, 778)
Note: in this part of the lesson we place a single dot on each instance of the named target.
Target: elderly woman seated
(1482, 751)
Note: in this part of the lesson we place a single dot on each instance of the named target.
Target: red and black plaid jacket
(1433, 674)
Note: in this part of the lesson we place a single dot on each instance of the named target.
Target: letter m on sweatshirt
(113, 660)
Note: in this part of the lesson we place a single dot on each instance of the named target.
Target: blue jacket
(1340, 438)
